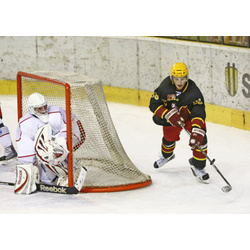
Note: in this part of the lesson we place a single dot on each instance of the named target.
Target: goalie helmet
(38, 107)
(179, 70)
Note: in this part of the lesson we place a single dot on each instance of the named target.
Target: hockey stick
(49, 188)
(59, 189)
(225, 188)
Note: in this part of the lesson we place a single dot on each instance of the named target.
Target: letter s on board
(246, 83)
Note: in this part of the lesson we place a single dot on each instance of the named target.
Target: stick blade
(227, 189)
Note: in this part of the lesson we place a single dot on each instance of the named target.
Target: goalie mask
(38, 107)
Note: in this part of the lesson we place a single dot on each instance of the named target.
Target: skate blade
(202, 181)
(166, 161)
(198, 178)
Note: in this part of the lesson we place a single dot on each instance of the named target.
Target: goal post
(100, 150)
(21, 92)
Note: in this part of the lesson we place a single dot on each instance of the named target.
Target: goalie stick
(49, 188)
(58, 189)
(225, 188)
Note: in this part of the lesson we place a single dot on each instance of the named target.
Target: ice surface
(174, 189)
(166, 209)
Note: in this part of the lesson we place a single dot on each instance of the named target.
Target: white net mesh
(101, 152)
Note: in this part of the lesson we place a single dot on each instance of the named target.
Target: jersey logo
(155, 96)
(171, 97)
(198, 102)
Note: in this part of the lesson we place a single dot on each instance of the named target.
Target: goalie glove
(174, 117)
(196, 137)
(60, 151)
(50, 150)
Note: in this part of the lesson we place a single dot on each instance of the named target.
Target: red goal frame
(67, 89)
(66, 86)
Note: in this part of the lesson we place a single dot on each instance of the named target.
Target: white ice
(173, 197)
(174, 188)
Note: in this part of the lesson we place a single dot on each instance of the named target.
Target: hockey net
(100, 150)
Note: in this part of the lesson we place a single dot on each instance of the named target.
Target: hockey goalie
(42, 146)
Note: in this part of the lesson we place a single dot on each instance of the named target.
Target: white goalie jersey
(29, 124)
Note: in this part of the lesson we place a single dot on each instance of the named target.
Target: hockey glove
(174, 117)
(196, 137)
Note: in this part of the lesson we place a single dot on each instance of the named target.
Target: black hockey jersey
(189, 102)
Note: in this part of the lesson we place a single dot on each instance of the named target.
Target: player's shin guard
(167, 147)
(198, 163)
(167, 150)
(199, 160)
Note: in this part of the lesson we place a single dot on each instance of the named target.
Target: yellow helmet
(179, 70)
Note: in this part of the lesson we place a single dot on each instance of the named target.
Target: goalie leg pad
(27, 175)
(63, 180)
(59, 170)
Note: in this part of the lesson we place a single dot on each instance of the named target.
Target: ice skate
(9, 153)
(200, 174)
(159, 163)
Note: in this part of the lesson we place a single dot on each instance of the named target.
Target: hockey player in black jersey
(178, 99)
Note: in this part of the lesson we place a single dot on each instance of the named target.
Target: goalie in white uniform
(41, 142)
